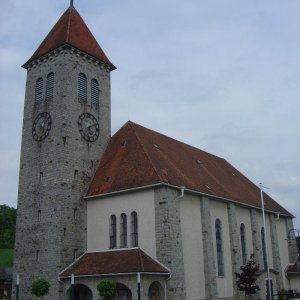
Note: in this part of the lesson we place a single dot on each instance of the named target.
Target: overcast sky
(223, 76)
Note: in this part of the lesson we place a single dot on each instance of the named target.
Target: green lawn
(6, 257)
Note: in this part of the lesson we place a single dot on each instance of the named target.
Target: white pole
(265, 237)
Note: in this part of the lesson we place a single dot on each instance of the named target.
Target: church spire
(71, 30)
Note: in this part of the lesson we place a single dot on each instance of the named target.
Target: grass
(6, 257)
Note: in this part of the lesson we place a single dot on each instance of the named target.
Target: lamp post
(269, 294)
(295, 231)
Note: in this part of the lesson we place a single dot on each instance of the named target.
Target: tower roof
(139, 157)
(71, 30)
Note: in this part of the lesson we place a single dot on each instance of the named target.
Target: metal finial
(71, 3)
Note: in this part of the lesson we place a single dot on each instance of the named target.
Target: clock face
(88, 127)
(41, 126)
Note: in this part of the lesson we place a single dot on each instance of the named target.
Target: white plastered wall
(98, 219)
(191, 230)
(219, 211)
(295, 284)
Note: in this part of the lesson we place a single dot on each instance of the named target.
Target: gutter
(181, 189)
(114, 274)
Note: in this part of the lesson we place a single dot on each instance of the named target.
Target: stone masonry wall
(275, 252)
(169, 240)
(55, 173)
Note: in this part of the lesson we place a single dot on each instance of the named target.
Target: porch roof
(293, 269)
(120, 261)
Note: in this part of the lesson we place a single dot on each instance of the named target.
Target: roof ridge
(69, 25)
(131, 124)
(141, 260)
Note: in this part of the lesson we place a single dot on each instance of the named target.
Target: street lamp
(269, 294)
(293, 230)
(294, 234)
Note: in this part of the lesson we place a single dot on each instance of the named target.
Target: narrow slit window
(134, 229)
(123, 227)
(95, 92)
(75, 254)
(75, 174)
(39, 215)
(113, 232)
(39, 90)
(37, 255)
(243, 243)
(219, 246)
(82, 87)
(50, 86)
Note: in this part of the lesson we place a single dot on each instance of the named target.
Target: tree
(246, 280)
(106, 288)
(40, 288)
(7, 226)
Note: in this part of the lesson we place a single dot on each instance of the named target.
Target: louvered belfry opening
(82, 87)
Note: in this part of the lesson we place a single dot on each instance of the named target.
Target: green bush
(282, 294)
(40, 287)
(106, 288)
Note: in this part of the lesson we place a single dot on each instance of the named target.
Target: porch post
(72, 287)
(139, 285)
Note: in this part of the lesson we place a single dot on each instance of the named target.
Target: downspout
(64, 288)
(166, 285)
(182, 189)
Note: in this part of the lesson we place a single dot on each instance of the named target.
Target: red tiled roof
(137, 157)
(71, 30)
(292, 268)
(114, 262)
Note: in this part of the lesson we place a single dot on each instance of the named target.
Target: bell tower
(66, 128)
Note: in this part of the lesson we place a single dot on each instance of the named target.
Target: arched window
(50, 86)
(243, 243)
(123, 230)
(219, 246)
(134, 229)
(113, 232)
(155, 291)
(39, 90)
(95, 92)
(263, 246)
(82, 87)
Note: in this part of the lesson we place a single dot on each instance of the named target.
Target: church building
(160, 218)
